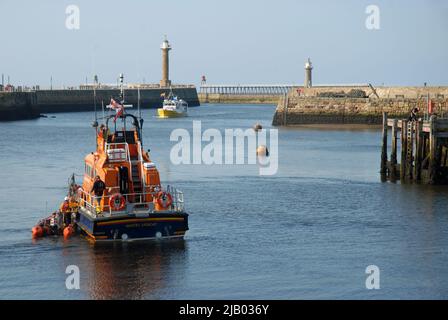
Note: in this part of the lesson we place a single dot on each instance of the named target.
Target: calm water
(308, 232)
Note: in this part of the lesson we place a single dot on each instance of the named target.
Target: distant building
(9, 88)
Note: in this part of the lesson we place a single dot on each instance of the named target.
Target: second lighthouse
(165, 47)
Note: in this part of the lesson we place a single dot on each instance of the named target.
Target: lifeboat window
(122, 137)
(89, 170)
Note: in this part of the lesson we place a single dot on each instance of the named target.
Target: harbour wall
(17, 106)
(321, 106)
(29, 105)
(238, 98)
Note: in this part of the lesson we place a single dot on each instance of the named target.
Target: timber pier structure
(423, 147)
(243, 93)
(247, 89)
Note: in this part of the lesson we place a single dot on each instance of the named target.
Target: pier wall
(28, 105)
(17, 106)
(307, 107)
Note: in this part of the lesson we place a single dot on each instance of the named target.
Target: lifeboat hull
(132, 228)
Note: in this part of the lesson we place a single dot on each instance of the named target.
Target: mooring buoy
(262, 151)
(257, 127)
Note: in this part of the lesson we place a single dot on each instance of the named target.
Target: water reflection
(134, 270)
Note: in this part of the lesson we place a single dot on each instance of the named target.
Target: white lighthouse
(308, 69)
(165, 47)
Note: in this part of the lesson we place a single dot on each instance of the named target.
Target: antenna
(121, 88)
(140, 115)
(94, 102)
(138, 102)
(95, 123)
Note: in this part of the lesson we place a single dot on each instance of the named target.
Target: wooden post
(285, 110)
(393, 154)
(404, 125)
(418, 151)
(384, 148)
(432, 150)
(409, 149)
(444, 157)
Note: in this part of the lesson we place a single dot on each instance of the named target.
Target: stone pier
(28, 105)
(355, 105)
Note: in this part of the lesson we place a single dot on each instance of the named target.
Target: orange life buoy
(164, 199)
(68, 232)
(37, 232)
(117, 202)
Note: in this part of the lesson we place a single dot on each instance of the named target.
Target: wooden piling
(418, 151)
(383, 170)
(404, 125)
(285, 109)
(393, 154)
(424, 150)
(409, 149)
(432, 151)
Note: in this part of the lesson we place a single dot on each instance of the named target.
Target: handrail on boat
(88, 201)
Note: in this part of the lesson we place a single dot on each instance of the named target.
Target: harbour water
(308, 232)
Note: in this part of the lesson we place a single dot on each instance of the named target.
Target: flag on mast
(118, 107)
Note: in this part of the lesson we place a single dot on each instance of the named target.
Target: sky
(230, 42)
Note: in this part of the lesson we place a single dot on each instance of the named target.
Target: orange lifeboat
(121, 196)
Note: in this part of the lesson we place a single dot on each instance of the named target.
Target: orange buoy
(37, 232)
(68, 232)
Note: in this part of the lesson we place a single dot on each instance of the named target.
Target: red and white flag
(118, 107)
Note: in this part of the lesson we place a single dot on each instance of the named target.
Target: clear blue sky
(231, 41)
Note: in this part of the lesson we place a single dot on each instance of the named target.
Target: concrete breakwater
(17, 105)
(335, 105)
(29, 105)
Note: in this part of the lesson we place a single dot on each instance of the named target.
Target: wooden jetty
(423, 147)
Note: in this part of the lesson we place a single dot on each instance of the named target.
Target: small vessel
(173, 107)
(132, 204)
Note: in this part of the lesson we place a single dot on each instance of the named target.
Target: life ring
(117, 202)
(164, 199)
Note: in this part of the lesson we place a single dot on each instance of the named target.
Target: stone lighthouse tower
(308, 69)
(165, 47)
